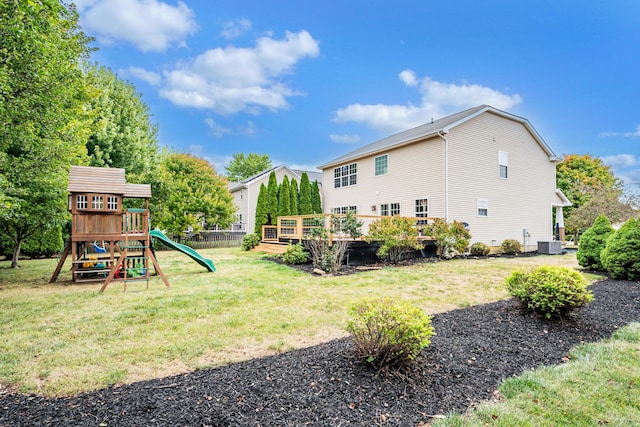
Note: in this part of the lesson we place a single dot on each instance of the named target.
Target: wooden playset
(107, 241)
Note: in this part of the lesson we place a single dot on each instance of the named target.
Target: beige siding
(521, 201)
(415, 172)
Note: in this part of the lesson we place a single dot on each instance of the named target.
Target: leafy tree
(293, 196)
(241, 167)
(316, 203)
(305, 204)
(123, 136)
(43, 114)
(345, 229)
(592, 242)
(284, 194)
(191, 194)
(579, 173)
(398, 236)
(601, 201)
(262, 217)
(621, 255)
(272, 199)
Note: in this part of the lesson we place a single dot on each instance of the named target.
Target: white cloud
(345, 138)
(229, 80)
(633, 134)
(140, 73)
(217, 130)
(149, 25)
(438, 99)
(233, 29)
(248, 129)
(196, 149)
(620, 160)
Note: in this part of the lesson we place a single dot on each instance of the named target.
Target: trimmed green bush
(295, 254)
(510, 247)
(250, 241)
(549, 290)
(479, 249)
(397, 236)
(388, 334)
(621, 255)
(593, 241)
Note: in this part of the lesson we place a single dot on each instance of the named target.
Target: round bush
(549, 290)
(479, 249)
(592, 242)
(388, 334)
(621, 255)
(295, 254)
(250, 241)
(510, 247)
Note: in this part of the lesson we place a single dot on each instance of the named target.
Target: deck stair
(271, 248)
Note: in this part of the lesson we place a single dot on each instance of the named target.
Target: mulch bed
(474, 350)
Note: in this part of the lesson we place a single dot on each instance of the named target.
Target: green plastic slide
(205, 262)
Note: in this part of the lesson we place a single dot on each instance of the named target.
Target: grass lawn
(62, 338)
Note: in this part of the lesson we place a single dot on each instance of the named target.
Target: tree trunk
(16, 254)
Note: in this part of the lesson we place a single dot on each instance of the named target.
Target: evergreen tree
(293, 199)
(592, 242)
(305, 206)
(621, 255)
(284, 207)
(262, 217)
(316, 202)
(272, 199)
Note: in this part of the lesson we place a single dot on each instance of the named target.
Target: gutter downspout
(446, 174)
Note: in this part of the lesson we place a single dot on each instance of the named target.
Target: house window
(112, 203)
(483, 207)
(81, 202)
(97, 202)
(346, 175)
(382, 165)
(390, 209)
(422, 210)
(503, 163)
(343, 210)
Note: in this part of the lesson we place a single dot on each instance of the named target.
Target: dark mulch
(475, 348)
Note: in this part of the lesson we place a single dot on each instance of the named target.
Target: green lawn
(61, 338)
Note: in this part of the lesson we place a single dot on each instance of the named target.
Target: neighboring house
(482, 166)
(245, 193)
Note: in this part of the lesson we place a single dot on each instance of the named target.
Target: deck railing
(299, 227)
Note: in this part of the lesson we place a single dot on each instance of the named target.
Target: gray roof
(313, 176)
(429, 130)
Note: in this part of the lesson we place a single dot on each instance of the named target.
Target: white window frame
(503, 164)
(345, 176)
(482, 207)
(343, 210)
(82, 202)
(420, 210)
(389, 209)
(378, 167)
(97, 202)
(112, 203)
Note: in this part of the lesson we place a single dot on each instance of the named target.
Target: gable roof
(438, 127)
(91, 179)
(233, 186)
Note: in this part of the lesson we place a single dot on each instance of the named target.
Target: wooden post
(65, 252)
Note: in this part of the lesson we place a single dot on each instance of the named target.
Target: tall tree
(272, 199)
(262, 218)
(123, 135)
(241, 167)
(43, 114)
(284, 195)
(190, 194)
(305, 205)
(293, 196)
(316, 201)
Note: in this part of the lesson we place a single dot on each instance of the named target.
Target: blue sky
(307, 81)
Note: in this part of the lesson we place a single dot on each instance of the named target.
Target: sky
(307, 81)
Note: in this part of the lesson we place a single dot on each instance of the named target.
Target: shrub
(621, 255)
(330, 258)
(388, 334)
(450, 238)
(295, 254)
(398, 236)
(549, 290)
(510, 247)
(479, 249)
(592, 242)
(43, 244)
(250, 241)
